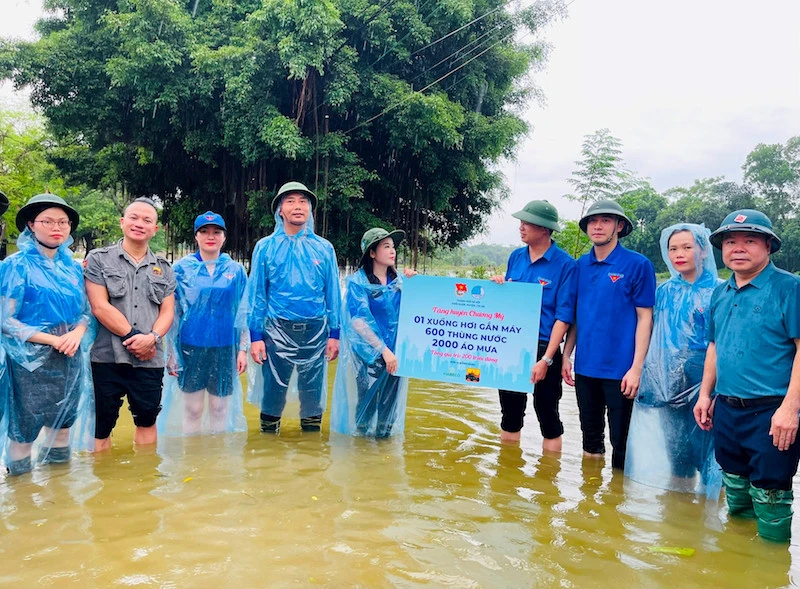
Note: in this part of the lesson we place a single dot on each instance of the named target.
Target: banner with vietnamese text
(469, 331)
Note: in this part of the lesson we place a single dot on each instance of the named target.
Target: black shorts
(546, 396)
(48, 396)
(112, 382)
(210, 369)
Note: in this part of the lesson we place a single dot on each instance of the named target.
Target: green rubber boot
(737, 493)
(774, 510)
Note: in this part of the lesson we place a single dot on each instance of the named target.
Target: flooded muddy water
(444, 506)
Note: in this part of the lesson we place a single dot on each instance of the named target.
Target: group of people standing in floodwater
(699, 378)
(664, 364)
(175, 340)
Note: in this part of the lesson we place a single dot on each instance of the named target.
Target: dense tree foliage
(394, 112)
(25, 170)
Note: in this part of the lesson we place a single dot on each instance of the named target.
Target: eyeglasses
(62, 224)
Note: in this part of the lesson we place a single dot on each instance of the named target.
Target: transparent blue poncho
(209, 330)
(293, 279)
(47, 390)
(666, 448)
(367, 400)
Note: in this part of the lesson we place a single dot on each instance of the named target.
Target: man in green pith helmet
(611, 334)
(295, 306)
(542, 262)
(753, 367)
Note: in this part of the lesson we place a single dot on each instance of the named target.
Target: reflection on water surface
(447, 506)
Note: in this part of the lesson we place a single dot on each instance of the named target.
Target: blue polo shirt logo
(544, 281)
(229, 276)
(614, 277)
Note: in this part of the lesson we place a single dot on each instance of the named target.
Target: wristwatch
(158, 339)
(547, 360)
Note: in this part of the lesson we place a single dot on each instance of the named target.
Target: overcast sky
(690, 87)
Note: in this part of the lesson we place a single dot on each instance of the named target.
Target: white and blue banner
(469, 331)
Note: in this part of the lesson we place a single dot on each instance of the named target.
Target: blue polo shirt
(557, 272)
(754, 328)
(609, 293)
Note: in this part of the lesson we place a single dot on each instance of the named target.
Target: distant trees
(600, 174)
(771, 184)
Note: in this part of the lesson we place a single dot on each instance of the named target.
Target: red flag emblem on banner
(461, 289)
(740, 218)
(615, 277)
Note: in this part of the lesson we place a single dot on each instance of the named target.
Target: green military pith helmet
(607, 207)
(376, 235)
(540, 213)
(41, 202)
(746, 220)
(290, 187)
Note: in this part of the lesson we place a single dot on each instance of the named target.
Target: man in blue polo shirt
(295, 308)
(752, 366)
(542, 262)
(613, 320)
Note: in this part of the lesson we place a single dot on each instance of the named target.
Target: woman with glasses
(208, 341)
(45, 318)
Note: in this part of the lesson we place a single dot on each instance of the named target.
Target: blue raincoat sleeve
(666, 448)
(258, 291)
(202, 390)
(367, 400)
(49, 391)
(294, 301)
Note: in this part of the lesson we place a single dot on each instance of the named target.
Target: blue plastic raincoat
(367, 400)
(49, 391)
(666, 448)
(210, 328)
(295, 307)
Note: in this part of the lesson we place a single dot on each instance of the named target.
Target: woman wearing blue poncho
(666, 448)
(45, 320)
(368, 399)
(208, 341)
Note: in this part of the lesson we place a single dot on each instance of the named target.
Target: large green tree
(394, 112)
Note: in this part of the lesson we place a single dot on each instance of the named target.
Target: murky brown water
(447, 506)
